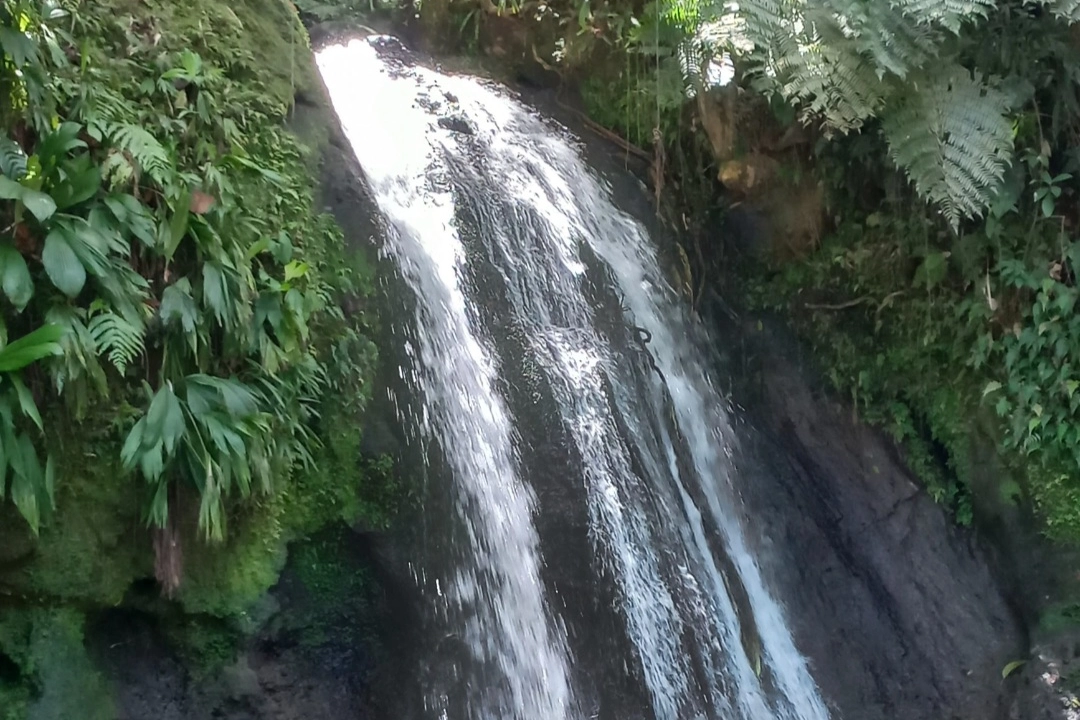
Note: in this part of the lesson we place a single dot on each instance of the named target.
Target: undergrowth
(181, 390)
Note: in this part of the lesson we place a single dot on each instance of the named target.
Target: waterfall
(525, 274)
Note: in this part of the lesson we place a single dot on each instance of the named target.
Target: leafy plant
(156, 224)
(22, 476)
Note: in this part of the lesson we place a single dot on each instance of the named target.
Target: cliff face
(896, 608)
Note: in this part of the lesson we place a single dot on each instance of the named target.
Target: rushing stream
(542, 325)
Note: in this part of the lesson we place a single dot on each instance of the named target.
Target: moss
(55, 677)
(95, 543)
(227, 579)
(14, 698)
(261, 43)
(337, 593)
(206, 645)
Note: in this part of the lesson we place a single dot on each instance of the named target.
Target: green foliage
(158, 232)
(952, 138)
(47, 648)
(336, 596)
(928, 74)
(926, 331)
(32, 483)
(873, 301)
(205, 645)
(95, 543)
(844, 62)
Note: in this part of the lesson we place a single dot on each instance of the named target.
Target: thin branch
(626, 145)
(838, 306)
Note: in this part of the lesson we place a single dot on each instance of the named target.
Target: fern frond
(141, 149)
(120, 340)
(894, 42)
(1067, 10)
(950, 14)
(101, 107)
(952, 137)
(78, 366)
(12, 158)
(829, 81)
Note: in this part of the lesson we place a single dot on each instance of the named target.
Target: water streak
(452, 156)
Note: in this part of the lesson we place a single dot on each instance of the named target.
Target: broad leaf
(41, 205)
(62, 265)
(42, 343)
(27, 478)
(9, 189)
(81, 181)
(15, 277)
(294, 270)
(178, 225)
(214, 290)
(178, 305)
(58, 143)
(1012, 667)
(26, 401)
(129, 453)
(16, 44)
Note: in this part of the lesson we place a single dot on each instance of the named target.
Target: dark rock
(456, 124)
(315, 658)
(895, 607)
(898, 610)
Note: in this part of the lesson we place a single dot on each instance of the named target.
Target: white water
(655, 447)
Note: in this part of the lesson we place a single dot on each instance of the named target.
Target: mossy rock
(95, 543)
(259, 42)
(48, 672)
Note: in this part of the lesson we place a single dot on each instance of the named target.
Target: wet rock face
(317, 651)
(1048, 684)
(895, 607)
(263, 684)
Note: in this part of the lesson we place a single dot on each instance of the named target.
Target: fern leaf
(143, 150)
(78, 366)
(120, 340)
(950, 14)
(1067, 10)
(12, 158)
(952, 137)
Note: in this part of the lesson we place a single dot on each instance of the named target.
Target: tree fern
(1068, 10)
(842, 62)
(951, 135)
(121, 341)
(829, 82)
(950, 14)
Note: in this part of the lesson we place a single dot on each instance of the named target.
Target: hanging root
(659, 164)
(168, 555)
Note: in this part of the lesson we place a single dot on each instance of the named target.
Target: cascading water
(499, 229)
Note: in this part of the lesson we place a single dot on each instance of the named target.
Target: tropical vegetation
(160, 256)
